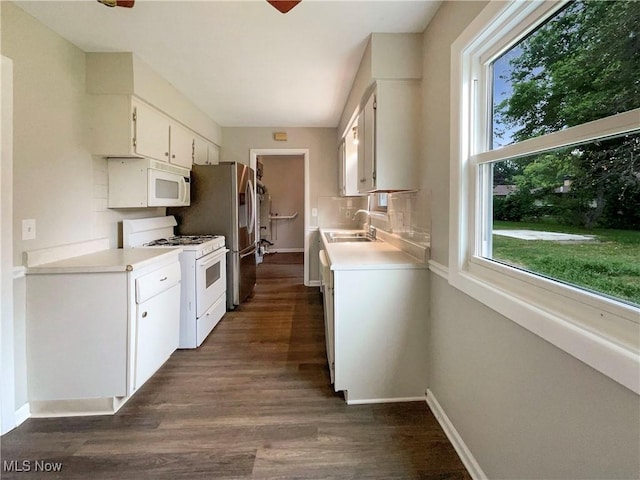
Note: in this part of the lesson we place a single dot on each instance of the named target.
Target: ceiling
(242, 62)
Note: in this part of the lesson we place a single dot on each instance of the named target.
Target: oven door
(211, 280)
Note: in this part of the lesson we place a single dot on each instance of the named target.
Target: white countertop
(367, 255)
(111, 260)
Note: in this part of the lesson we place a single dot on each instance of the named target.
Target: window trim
(570, 318)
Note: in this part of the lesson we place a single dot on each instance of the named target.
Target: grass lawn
(610, 265)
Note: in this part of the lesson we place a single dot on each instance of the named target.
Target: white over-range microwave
(143, 182)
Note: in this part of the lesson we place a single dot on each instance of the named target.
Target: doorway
(280, 202)
(301, 157)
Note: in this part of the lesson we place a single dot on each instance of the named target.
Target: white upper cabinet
(342, 168)
(367, 146)
(125, 126)
(137, 113)
(150, 133)
(388, 148)
(205, 152)
(200, 151)
(181, 145)
(213, 154)
(348, 175)
(386, 98)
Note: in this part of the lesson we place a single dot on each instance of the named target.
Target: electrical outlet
(314, 212)
(29, 229)
(347, 214)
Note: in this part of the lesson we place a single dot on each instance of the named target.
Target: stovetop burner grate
(181, 240)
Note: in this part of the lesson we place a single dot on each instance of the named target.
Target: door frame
(7, 337)
(304, 152)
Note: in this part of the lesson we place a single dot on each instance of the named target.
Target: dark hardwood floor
(254, 401)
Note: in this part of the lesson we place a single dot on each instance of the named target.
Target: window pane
(581, 65)
(573, 215)
(382, 201)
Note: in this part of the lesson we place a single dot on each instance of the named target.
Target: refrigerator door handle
(252, 207)
(251, 252)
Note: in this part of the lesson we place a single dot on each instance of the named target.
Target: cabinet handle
(144, 314)
(163, 279)
(173, 156)
(166, 154)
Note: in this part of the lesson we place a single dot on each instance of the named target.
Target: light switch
(314, 212)
(29, 229)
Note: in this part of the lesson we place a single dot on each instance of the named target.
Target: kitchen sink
(345, 237)
(350, 239)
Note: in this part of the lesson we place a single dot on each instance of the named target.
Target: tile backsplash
(337, 212)
(408, 214)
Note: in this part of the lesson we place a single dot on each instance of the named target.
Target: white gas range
(203, 268)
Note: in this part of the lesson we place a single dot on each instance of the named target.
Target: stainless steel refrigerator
(223, 203)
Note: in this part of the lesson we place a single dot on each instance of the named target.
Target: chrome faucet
(361, 211)
(371, 231)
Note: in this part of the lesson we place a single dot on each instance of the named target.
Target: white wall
(321, 142)
(524, 408)
(56, 180)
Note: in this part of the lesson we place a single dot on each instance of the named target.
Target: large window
(546, 173)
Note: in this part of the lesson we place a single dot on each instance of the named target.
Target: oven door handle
(211, 258)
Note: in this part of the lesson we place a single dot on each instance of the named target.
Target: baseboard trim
(286, 250)
(366, 401)
(454, 437)
(314, 283)
(22, 414)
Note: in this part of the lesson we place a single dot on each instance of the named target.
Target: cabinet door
(342, 167)
(366, 146)
(151, 133)
(157, 333)
(213, 154)
(200, 151)
(181, 146)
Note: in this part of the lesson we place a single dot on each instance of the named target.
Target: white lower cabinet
(77, 336)
(329, 326)
(375, 322)
(157, 333)
(95, 337)
(157, 324)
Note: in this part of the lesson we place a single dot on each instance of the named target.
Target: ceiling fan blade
(283, 6)
(118, 3)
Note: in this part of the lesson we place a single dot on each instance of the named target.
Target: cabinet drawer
(158, 281)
